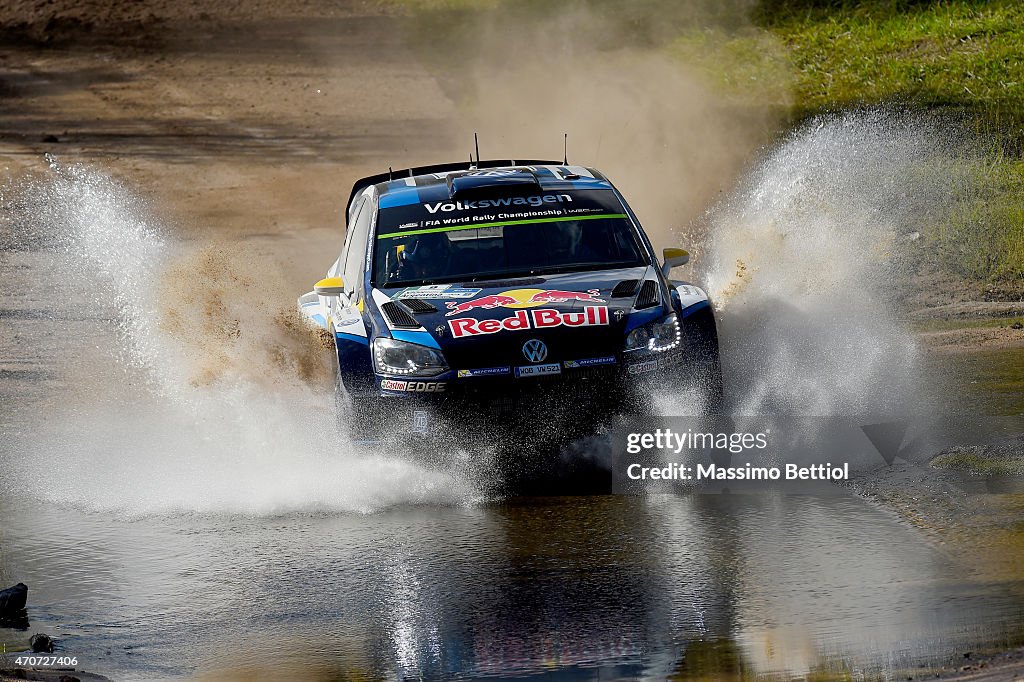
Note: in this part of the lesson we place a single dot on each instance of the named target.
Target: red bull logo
(556, 296)
(542, 318)
(487, 302)
(522, 298)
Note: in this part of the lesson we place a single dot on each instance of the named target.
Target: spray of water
(803, 263)
(205, 395)
(217, 400)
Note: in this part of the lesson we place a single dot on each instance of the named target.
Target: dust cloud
(525, 73)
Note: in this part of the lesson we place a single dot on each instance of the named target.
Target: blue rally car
(505, 294)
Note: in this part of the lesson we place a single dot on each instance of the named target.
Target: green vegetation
(958, 54)
(982, 238)
(951, 53)
(993, 381)
(978, 462)
(941, 324)
(956, 58)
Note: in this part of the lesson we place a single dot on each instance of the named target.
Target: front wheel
(709, 380)
(701, 334)
(357, 417)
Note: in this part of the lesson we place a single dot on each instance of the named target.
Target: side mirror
(674, 258)
(331, 286)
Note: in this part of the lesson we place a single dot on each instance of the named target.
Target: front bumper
(579, 399)
(585, 393)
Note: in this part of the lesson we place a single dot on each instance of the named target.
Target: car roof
(433, 183)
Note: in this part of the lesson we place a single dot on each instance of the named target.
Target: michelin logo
(536, 200)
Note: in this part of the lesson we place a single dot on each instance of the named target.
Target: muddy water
(992, 381)
(574, 588)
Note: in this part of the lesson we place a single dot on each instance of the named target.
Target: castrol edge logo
(540, 318)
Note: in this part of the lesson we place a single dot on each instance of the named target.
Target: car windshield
(591, 233)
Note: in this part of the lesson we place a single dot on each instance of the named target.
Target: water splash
(204, 394)
(803, 262)
(216, 406)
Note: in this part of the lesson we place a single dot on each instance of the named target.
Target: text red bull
(542, 318)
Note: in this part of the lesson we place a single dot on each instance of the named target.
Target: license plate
(420, 421)
(538, 370)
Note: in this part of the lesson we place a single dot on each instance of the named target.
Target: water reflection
(614, 587)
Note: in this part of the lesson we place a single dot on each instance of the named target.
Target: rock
(50, 139)
(41, 644)
(1017, 325)
(18, 621)
(13, 599)
(68, 678)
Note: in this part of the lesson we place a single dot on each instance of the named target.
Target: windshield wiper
(513, 274)
(603, 265)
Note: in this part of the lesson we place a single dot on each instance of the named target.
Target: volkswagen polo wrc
(505, 294)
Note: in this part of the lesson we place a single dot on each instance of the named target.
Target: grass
(942, 325)
(956, 54)
(982, 238)
(978, 464)
(952, 53)
(952, 57)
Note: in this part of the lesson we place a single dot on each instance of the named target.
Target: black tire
(702, 340)
(357, 417)
(713, 384)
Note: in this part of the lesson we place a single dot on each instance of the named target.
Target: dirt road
(242, 122)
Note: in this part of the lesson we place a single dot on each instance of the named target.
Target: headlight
(407, 359)
(656, 336)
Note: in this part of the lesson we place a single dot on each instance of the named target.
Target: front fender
(355, 365)
(312, 308)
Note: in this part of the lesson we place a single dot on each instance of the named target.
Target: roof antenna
(476, 143)
(391, 174)
(565, 148)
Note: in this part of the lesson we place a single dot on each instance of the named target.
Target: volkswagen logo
(535, 350)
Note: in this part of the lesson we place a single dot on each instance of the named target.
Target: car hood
(483, 324)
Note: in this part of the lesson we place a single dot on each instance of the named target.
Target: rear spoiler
(363, 183)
